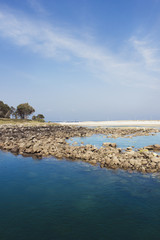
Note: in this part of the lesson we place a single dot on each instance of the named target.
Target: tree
(4, 110)
(34, 118)
(24, 110)
(39, 118)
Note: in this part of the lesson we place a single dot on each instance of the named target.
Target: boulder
(155, 147)
(108, 144)
(129, 148)
(155, 159)
(93, 161)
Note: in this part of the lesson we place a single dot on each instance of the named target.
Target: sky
(78, 60)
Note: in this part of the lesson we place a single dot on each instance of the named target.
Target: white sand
(116, 123)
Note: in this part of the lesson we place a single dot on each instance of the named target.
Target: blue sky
(81, 59)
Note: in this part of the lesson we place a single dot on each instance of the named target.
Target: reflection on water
(52, 199)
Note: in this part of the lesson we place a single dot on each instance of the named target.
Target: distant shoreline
(155, 123)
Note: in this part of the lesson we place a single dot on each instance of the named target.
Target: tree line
(22, 111)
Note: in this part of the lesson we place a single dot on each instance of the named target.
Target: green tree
(34, 117)
(4, 110)
(39, 117)
(24, 110)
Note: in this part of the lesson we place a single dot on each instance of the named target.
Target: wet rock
(93, 161)
(15, 149)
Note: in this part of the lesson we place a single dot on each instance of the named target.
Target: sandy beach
(153, 123)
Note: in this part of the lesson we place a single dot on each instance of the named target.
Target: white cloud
(138, 67)
(148, 53)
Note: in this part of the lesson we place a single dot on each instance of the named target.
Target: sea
(52, 199)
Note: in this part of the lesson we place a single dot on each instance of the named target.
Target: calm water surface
(137, 142)
(53, 199)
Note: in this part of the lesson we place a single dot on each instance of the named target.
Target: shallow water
(53, 199)
(99, 139)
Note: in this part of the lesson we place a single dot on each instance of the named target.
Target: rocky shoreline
(50, 140)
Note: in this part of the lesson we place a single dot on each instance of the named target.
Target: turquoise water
(53, 199)
(137, 142)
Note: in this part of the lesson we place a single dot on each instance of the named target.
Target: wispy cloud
(148, 54)
(42, 38)
(36, 6)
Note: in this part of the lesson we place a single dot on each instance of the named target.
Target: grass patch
(23, 121)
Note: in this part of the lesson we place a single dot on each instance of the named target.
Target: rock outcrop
(50, 140)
